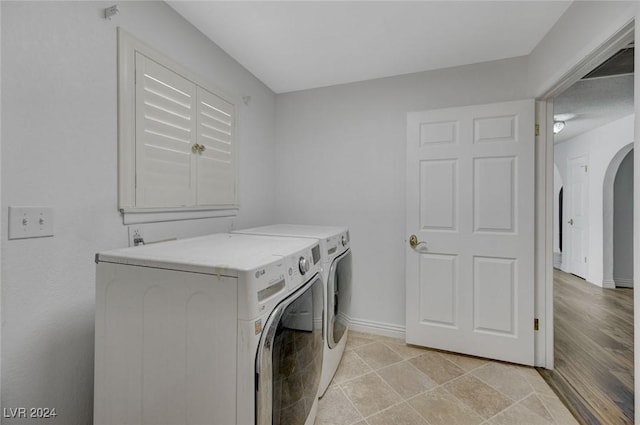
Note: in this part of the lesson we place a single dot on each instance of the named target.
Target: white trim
(623, 282)
(376, 328)
(548, 323)
(618, 40)
(557, 260)
(152, 216)
(126, 126)
(608, 284)
(543, 235)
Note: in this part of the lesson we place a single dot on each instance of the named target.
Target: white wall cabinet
(177, 141)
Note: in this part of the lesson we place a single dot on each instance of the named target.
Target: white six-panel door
(470, 200)
(577, 219)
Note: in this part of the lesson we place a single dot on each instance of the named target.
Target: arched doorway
(609, 216)
(623, 224)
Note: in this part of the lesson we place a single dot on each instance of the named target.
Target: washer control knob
(303, 264)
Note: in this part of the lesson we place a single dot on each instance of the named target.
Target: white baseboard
(608, 283)
(376, 328)
(623, 282)
(557, 260)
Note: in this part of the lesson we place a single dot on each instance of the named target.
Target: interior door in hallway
(576, 217)
(470, 205)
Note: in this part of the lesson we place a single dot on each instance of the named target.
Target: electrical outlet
(30, 222)
(136, 235)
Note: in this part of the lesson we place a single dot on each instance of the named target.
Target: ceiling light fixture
(558, 126)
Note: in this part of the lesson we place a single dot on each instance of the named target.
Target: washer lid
(333, 240)
(299, 230)
(218, 254)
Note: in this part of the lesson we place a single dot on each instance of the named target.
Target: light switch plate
(30, 222)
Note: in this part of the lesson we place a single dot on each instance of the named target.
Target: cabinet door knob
(570, 221)
(197, 148)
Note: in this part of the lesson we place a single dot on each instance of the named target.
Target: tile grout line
(362, 418)
(544, 398)
(513, 403)
(533, 391)
(358, 376)
(402, 400)
(520, 402)
(466, 373)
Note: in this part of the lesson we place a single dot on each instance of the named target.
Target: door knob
(570, 221)
(414, 242)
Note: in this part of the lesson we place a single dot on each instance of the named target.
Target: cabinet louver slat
(216, 167)
(177, 146)
(165, 133)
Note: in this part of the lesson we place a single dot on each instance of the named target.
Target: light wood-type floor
(383, 381)
(593, 372)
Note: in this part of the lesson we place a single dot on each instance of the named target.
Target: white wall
(623, 223)
(600, 146)
(341, 160)
(583, 27)
(59, 148)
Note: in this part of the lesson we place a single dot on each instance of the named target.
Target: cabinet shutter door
(216, 164)
(165, 133)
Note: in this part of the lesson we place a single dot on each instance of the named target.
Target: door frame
(544, 191)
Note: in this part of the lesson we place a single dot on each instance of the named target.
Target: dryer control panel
(261, 289)
(302, 266)
(337, 244)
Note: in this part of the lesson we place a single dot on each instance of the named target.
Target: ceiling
(297, 45)
(304, 44)
(589, 104)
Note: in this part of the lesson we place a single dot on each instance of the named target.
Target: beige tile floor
(382, 381)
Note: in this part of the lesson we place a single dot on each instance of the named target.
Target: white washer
(336, 272)
(222, 329)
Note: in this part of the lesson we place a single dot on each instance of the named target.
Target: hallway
(593, 372)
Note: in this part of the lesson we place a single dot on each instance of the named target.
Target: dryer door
(338, 297)
(289, 358)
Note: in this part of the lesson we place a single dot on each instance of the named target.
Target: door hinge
(585, 259)
(537, 130)
(536, 324)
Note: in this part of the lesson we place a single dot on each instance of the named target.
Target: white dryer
(336, 271)
(222, 329)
